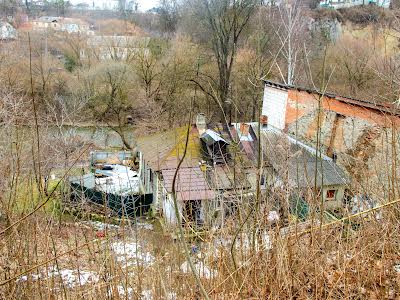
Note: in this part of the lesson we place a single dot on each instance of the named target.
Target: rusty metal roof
(190, 184)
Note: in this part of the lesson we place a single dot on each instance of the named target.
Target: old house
(162, 153)
(7, 32)
(357, 134)
(209, 187)
(115, 47)
(70, 25)
(301, 171)
(336, 4)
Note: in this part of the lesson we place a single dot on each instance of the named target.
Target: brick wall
(366, 141)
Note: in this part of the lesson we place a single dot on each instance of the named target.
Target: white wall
(274, 106)
(169, 210)
(349, 3)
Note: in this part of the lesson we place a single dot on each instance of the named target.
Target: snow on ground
(129, 253)
(100, 225)
(201, 269)
(123, 291)
(146, 294)
(146, 226)
(70, 278)
(103, 226)
(243, 242)
(397, 268)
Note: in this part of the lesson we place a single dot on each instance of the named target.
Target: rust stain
(318, 122)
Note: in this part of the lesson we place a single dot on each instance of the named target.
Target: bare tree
(226, 21)
(289, 30)
(109, 100)
(168, 11)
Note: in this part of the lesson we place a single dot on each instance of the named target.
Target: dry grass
(337, 263)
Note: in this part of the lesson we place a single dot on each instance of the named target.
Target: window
(262, 180)
(330, 194)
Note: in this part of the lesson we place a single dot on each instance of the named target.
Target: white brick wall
(274, 106)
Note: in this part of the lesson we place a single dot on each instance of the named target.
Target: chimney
(201, 123)
(264, 120)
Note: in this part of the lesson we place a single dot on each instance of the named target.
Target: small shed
(300, 168)
(116, 186)
(192, 194)
(216, 146)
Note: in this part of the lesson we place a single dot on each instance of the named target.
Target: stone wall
(366, 150)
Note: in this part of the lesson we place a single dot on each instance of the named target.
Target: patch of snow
(273, 216)
(25, 277)
(267, 243)
(99, 225)
(74, 278)
(71, 278)
(103, 226)
(201, 269)
(146, 226)
(397, 268)
(147, 295)
(130, 252)
(243, 242)
(122, 291)
(172, 296)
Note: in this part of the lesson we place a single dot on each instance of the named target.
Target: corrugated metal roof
(190, 184)
(210, 137)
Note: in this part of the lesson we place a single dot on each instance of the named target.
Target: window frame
(327, 197)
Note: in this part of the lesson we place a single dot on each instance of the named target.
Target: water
(100, 136)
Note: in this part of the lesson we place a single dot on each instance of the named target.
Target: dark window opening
(330, 194)
(191, 212)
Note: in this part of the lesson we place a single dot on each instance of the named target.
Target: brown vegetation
(204, 56)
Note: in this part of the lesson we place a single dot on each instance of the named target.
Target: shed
(116, 186)
(191, 191)
(216, 146)
(291, 163)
